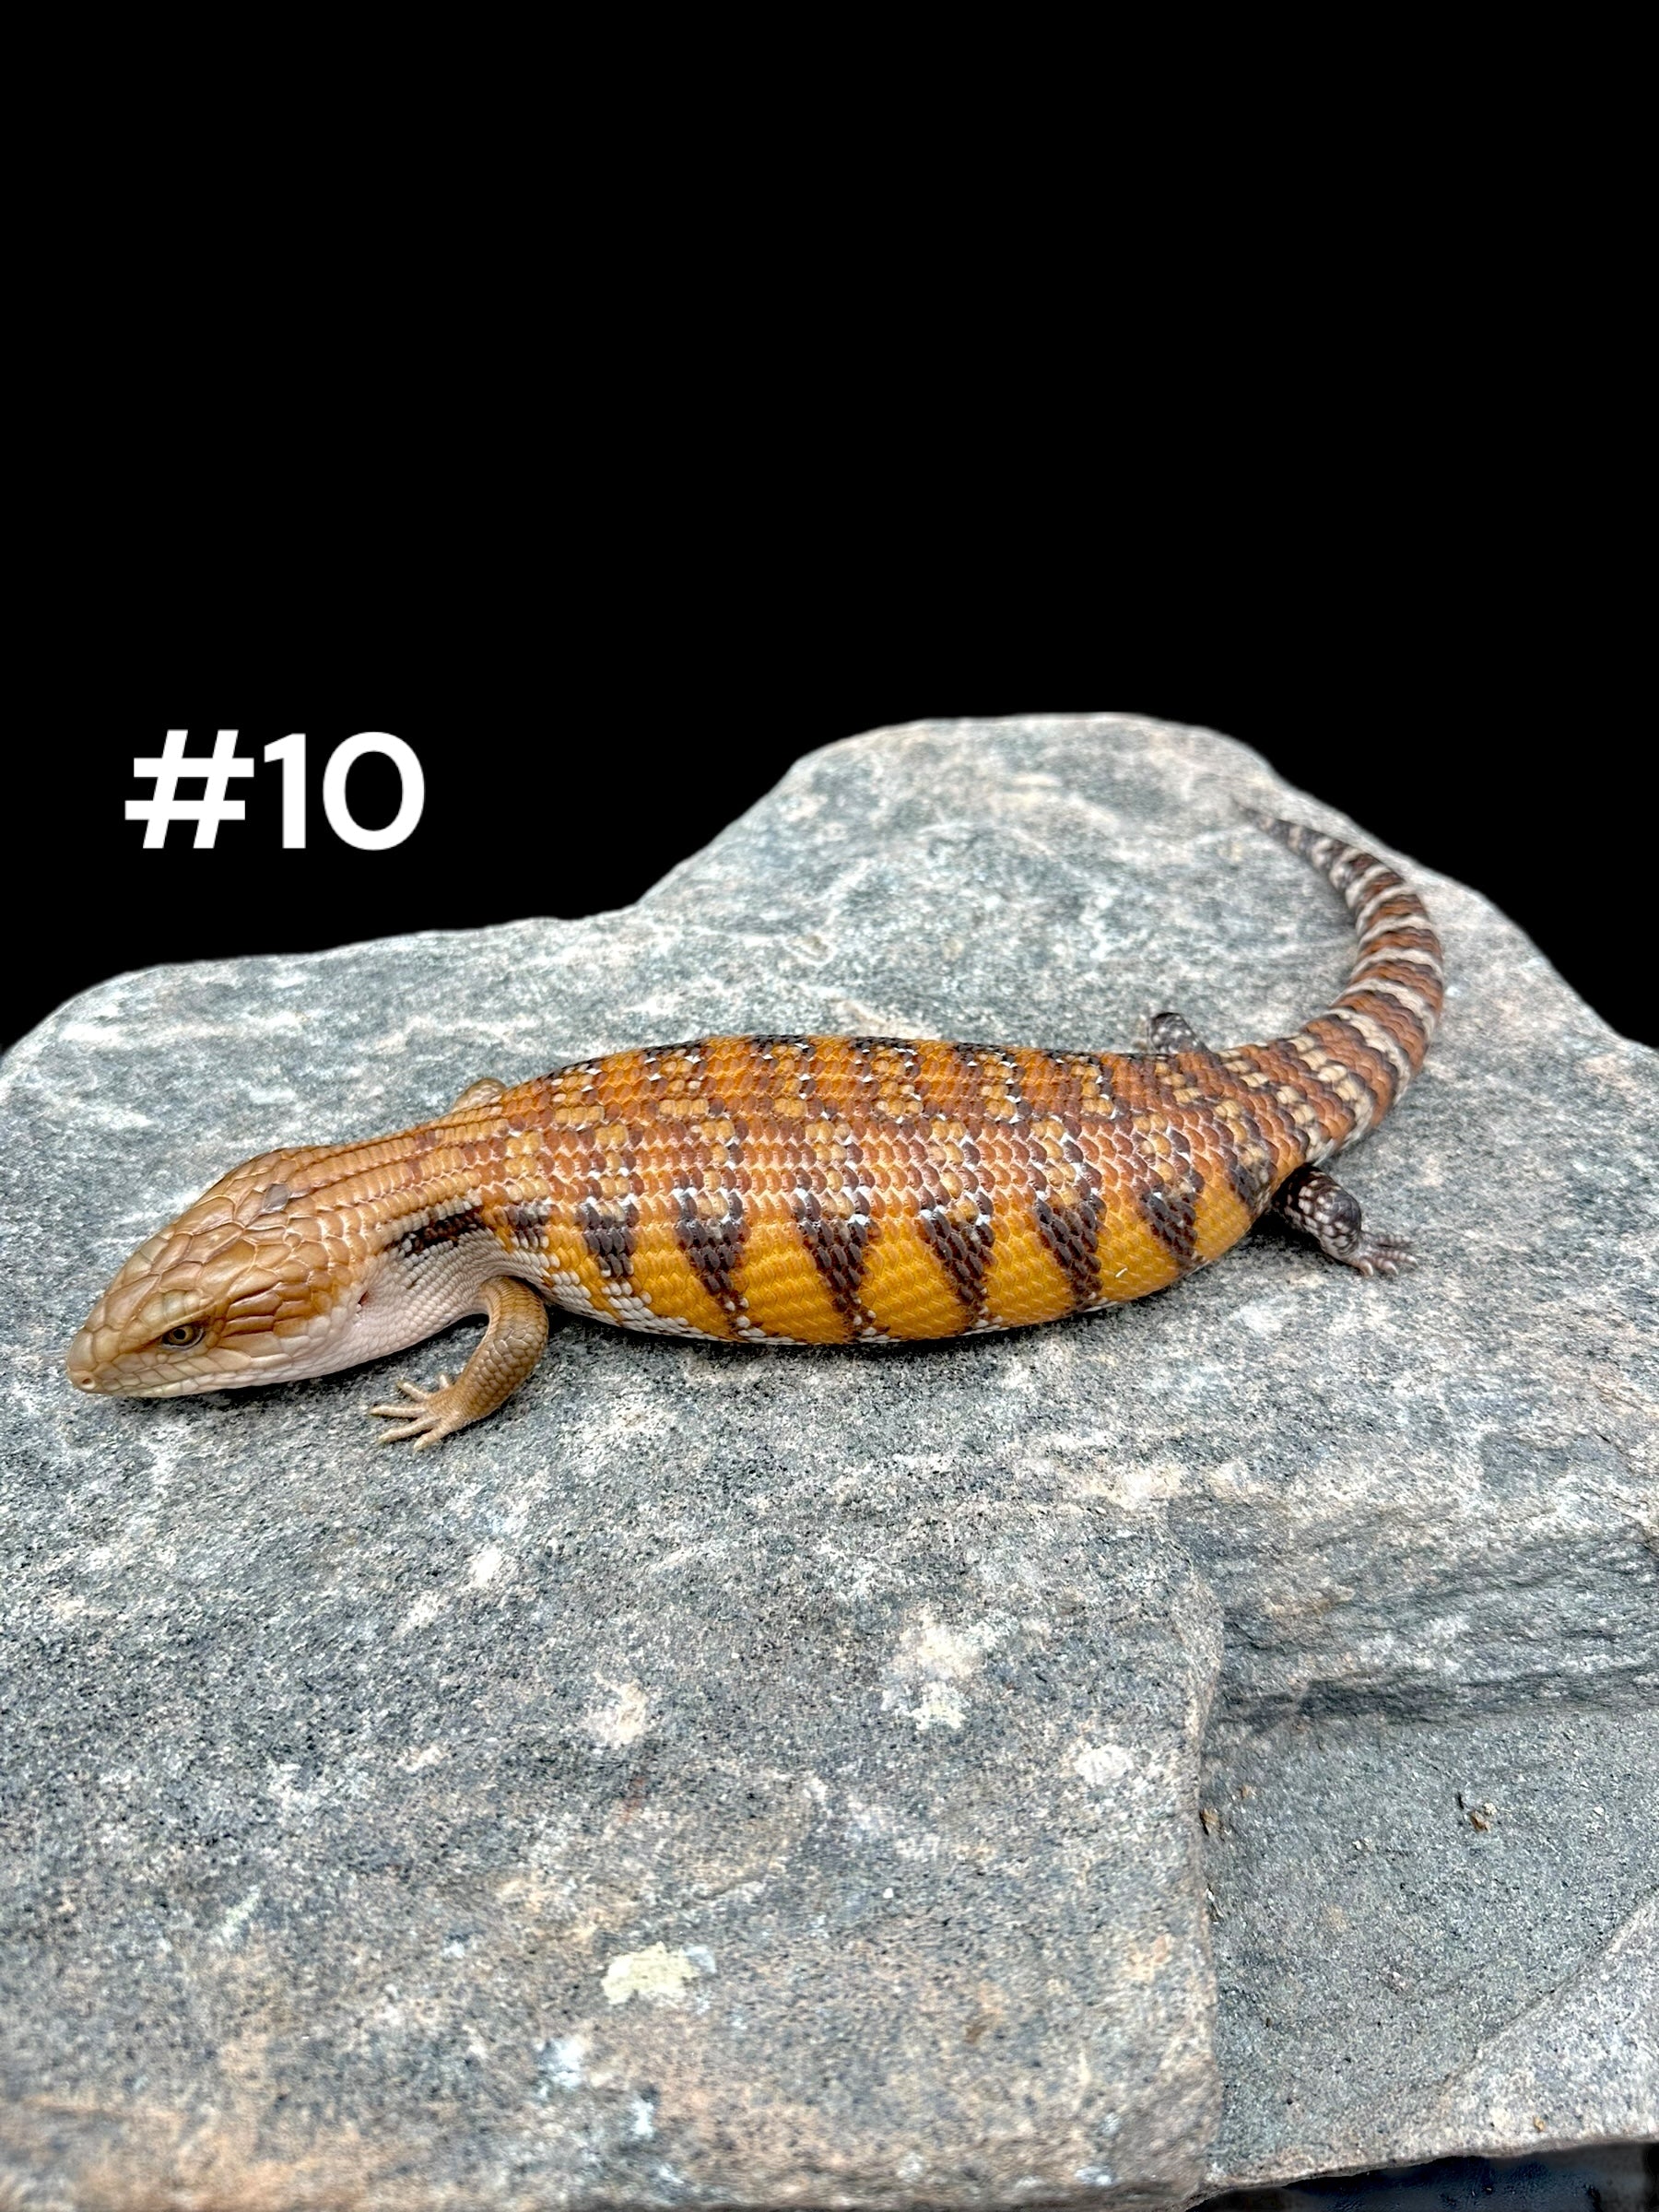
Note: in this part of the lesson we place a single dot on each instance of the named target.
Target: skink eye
(186, 1334)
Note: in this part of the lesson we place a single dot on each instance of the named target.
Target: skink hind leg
(504, 1355)
(1172, 1033)
(1317, 1205)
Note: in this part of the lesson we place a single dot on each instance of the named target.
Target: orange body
(819, 1190)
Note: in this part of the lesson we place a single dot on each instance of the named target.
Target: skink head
(249, 1285)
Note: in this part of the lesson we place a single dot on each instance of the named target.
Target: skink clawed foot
(1376, 1255)
(440, 1415)
(505, 1354)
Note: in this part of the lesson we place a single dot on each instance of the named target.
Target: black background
(618, 495)
(574, 751)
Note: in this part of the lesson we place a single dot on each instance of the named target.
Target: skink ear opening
(264, 1199)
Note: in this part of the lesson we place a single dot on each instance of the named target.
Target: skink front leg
(503, 1358)
(483, 1092)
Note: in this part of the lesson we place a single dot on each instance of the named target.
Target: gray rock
(1399, 1984)
(515, 1825)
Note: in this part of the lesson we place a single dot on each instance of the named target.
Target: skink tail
(1393, 999)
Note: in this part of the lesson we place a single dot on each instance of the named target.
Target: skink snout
(89, 1357)
(81, 1362)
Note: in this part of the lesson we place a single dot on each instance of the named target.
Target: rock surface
(769, 1778)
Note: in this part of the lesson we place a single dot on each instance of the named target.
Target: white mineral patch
(420, 1615)
(230, 1930)
(932, 1663)
(620, 1719)
(564, 2060)
(1101, 1765)
(656, 1973)
(485, 1566)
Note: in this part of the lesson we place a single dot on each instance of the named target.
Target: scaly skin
(793, 1190)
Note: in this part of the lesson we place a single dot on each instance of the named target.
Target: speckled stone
(763, 1778)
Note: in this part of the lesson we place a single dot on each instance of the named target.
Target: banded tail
(1371, 1041)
